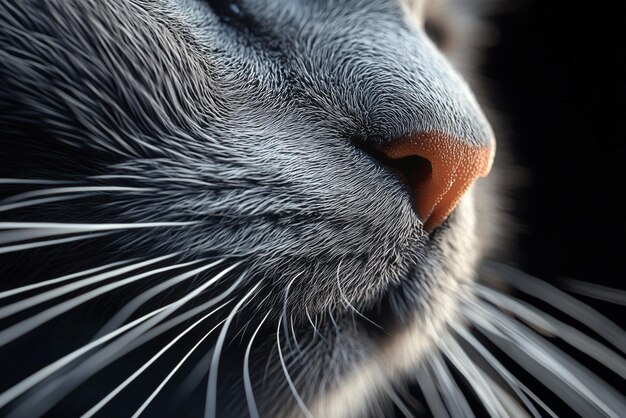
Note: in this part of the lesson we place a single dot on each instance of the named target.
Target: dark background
(557, 75)
(560, 80)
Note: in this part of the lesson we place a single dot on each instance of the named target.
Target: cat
(265, 208)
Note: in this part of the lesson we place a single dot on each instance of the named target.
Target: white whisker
(395, 398)
(560, 300)
(211, 397)
(17, 235)
(347, 302)
(40, 244)
(50, 369)
(511, 380)
(158, 180)
(63, 290)
(22, 289)
(508, 402)
(174, 370)
(195, 376)
(426, 382)
(292, 387)
(333, 322)
(452, 395)
(252, 408)
(567, 333)
(81, 189)
(285, 300)
(603, 293)
(42, 201)
(49, 395)
(88, 227)
(315, 330)
(480, 385)
(138, 301)
(293, 335)
(567, 378)
(268, 363)
(35, 321)
(147, 364)
(20, 231)
(32, 181)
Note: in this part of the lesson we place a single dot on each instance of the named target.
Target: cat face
(260, 140)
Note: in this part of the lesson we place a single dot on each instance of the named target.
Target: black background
(559, 77)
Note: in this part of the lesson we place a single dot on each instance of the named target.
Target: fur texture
(221, 137)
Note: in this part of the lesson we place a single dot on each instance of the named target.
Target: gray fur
(244, 134)
(247, 132)
(265, 130)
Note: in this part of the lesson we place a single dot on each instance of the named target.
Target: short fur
(229, 134)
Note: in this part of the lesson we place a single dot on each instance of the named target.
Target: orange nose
(439, 170)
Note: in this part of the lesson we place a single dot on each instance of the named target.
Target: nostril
(437, 168)
(413, 169)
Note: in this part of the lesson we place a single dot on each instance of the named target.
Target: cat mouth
(400, 301)
(395, 309)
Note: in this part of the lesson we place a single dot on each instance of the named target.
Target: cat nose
(439, 169)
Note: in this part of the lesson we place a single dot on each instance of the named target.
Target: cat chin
(399, 354)
(396, 361)
(375, 360)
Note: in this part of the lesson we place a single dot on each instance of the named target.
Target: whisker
(147, 364)
(50, 369)
(83, 189)
(27, 325)
(157, 180)
(315, 330)
(24, 304)
(292, 387)
(452, 395)
(59, 227)
(18, 235)
(22, 289)
(33, 181)
(285, 300)
(567, 378)
(509, 403)
(467, 367)
(603, 293)
(408, 399)
(242, 329)
(195, 376)
(45, 398)
(29, 230)
(333, 322)
(128, 309)
(426, 382)
(211, 397)
(42, 201)
(293, 335)
(560, 300)
(252, 408)
(395, 398)
(347, 302)
(567, 333)
(511, 380)
(268, 363)
(174, 370)
(30, 246)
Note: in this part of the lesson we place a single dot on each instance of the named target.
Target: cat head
(321, 155)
